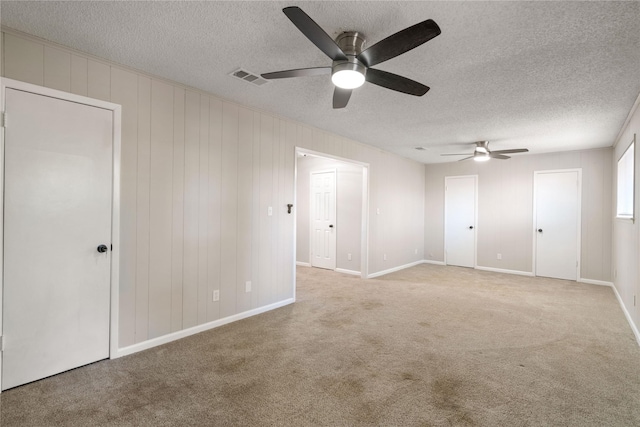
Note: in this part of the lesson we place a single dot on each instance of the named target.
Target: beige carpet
(427, 346)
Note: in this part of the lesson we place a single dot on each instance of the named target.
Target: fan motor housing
(351, 43)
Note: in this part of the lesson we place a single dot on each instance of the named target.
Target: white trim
(595, 282)
(394, 269)
(634, 328)
(303, 264)
(502, 270)
(115, 207)
(145, 345)
(345, 271)
(578, 219)
(475, 217)
(434, 262)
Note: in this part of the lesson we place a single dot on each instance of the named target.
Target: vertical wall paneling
(266, 187)
(80, 75)
(229, 282)
(57, 69)
(124, 91)
(277, 211)
(256, 211)
(142, 228)
(203, 208)
(215, 190)
(99, 80)
(177, 217)
(23, 60)
(191, 198)
(288, 258)
(244, 207)
(160, 209)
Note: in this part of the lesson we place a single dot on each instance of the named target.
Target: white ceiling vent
(249, 77)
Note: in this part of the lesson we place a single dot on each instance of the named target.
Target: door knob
(471, 227)
(330, 225)
(102, 248)
(539, 230)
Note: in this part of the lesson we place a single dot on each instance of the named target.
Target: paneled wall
(348, 210)
(505, 209)
(626, 233)
(198, 176)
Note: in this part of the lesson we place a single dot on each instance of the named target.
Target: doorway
(460, 207)
(556, 213)
(350, 183)
(323, 219)
(60, 190)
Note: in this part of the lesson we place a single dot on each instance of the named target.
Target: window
(625, 183)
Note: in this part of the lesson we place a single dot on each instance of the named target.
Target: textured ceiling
(549, 76)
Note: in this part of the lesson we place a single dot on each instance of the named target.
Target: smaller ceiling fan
(352, 63)
(482, 153)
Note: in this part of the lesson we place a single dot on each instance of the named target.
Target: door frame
(116, 111)
(578, 224)
(335, 213)
(364, 230)
(475, 218)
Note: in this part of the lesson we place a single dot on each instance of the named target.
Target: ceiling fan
(352, 63)
(482, 153)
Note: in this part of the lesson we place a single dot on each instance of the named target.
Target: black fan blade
(341, 97)
(459, 154)
(399, 43)
(515, 150)
(395, 82)
(493, 155)
(466, 158)
(313, 32)
(300, 72)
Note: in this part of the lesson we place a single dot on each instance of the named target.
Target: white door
(57, 211)
(557, 219)
(323, 219)
(460, 220)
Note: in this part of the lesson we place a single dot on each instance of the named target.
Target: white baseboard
(634, 328)
(391, 270)
(345, 271)
(595, 282)
(434, 262)
(303, 264)
(502, 270)
(197, 329)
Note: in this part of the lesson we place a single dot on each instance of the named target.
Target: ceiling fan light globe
(347, 79)
(481, 157)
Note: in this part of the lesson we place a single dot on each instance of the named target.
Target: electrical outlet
(384, 257)
(416, 252)
(247, 286)
(499, 256)
(270, 211)
(430, 255)
(377, 211)
(348, 257)
(216, 295)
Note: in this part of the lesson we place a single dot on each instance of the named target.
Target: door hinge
(3, 120)
(1, 342)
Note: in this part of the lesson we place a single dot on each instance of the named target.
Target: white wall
(626, 234)
(198, 174)
(505, 209)
(348, 210)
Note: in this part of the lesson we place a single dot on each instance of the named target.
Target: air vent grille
(248, 77)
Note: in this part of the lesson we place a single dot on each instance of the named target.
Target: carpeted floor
(427, 346)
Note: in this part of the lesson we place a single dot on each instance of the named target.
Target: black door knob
(539, 230)
(330, 225)
(471, 227)
(102, 248)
